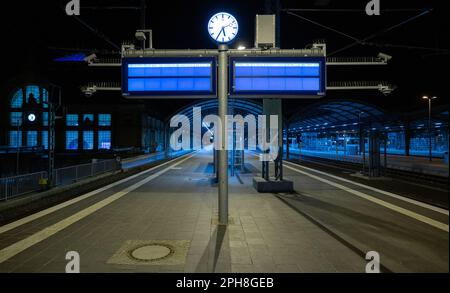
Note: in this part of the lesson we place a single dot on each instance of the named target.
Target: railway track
(425, 179)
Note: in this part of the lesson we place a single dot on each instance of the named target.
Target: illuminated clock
(223, 27)
(31, 117)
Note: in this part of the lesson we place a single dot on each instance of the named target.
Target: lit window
(17, 100)
(45, 98)
(88, 118)
(16, 119)
(45, 118)
(32, 91)
(15, 138)
(71, 140)
(72, 120)
(104, 119)
(45, 139)
(88, 140)
(104, 140)
(32, 138)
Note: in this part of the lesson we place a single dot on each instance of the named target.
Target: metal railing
(11, 187)
(69, 175)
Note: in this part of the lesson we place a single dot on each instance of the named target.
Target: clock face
(31, 117)
(223, 27)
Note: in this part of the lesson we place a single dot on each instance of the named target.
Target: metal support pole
(345, 146)
(429, 130)
(281, 164)
(287, 144)
(233, 154)
(266, 174)
(360, 132)
(51, 132)
(50, 143)
(223, 153)
(407, 141)
(385, 153)
(300, 149)
(363, 153)
(337, 148)
(19, 143)
(273, 107)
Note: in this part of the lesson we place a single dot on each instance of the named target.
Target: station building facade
(101, 132)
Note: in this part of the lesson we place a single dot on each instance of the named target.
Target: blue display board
(277, 77)
(165, 77)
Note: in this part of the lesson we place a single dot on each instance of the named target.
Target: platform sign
(277, 77)
(169, 77)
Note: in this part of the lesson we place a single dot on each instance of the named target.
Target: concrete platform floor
(326, 226)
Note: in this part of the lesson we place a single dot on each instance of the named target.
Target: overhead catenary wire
(323, 26)
(364, 41)
(95, 31)
(348, 10)
(384, 31)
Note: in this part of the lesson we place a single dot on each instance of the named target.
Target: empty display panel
(168, 77)
(277, 77)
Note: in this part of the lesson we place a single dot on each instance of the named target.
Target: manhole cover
(151, 252)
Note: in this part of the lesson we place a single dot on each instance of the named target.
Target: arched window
(17, 99)
(33, 94)
(28, 98)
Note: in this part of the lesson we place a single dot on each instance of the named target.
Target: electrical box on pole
(265, 31)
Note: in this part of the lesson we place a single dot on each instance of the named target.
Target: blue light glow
(71, 140)
(32, 138)
(166, 70)
(17, 100)
(72, 120)
(296, 76)
(104, 119)
(169, 84)
(72, 58)
(165, 78)
(88, 140)
(16, 118)
(276, 84)
(45, 139)
(15, 138)
(104, 140)
(32, 94)
(45, 118)
(277, 69)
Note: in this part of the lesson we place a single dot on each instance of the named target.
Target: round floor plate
(150, 252)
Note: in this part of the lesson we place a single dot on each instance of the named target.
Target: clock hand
(223, 29)
(230, 24)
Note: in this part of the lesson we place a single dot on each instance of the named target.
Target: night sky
(34, 33)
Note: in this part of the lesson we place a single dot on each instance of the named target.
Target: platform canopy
(211, 106)
(335, 114)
